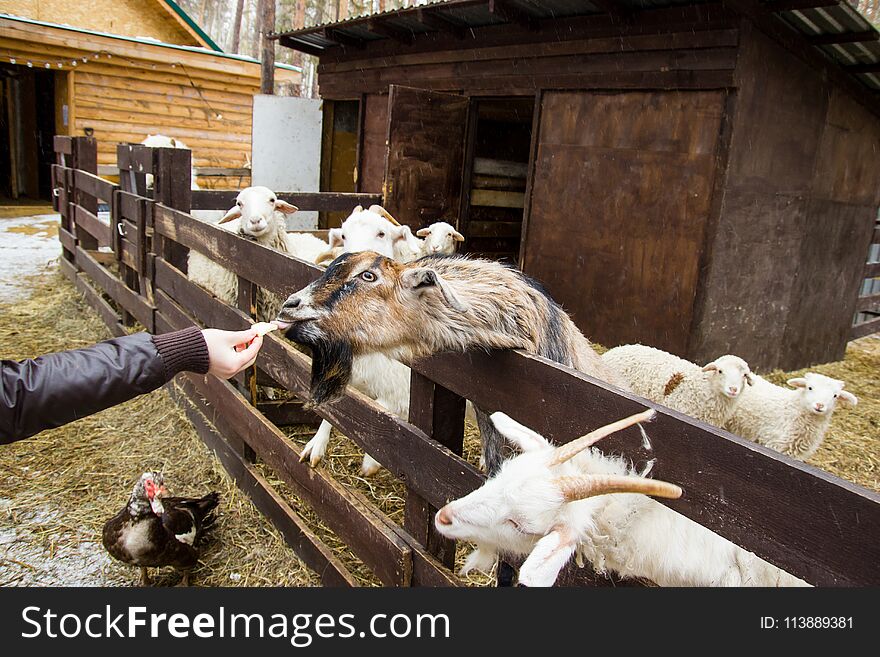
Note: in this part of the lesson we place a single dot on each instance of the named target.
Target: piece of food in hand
(155, 530)
(262, 328)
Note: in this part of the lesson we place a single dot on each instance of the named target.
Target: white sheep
(709, 393)
(162, 141)
(793, 422)
(549, 503)
(381, 378)
(258, 214)
(440, 238)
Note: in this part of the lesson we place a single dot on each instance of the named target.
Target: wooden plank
(809, 529)
(371, 141)
(200, 302)
(105, 311)
(68, 241)
(318, 201)
(89, 223)
(116, 289)
(499, 183)
(62, 144)
(843, 37)
(488, 229)
(504, 168)
(287, 412)
(68, 269)
(865, 328)
(495, 199)
(869, 303)
(272, 270)
(94, 185)
(872, 270)
(297, 534)
(424, 155)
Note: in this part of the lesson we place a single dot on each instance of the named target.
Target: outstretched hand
(230, 352)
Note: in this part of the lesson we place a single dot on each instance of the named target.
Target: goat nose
(444, 516)
(292, 302)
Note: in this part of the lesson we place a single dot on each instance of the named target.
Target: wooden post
(267, 58)
(439, 413)
(171, 186)
(84, 156)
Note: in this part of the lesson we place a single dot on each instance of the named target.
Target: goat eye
(835, 395)
(368, 276)
(809, 387)
(272, 200)
(238, 203)
(720, 372)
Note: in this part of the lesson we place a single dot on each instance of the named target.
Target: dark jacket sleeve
(52, 390)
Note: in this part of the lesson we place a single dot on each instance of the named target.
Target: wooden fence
(802, 519)
(868, 304)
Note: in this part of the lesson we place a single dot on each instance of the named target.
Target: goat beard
(331, 368)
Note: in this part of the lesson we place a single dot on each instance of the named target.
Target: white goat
(258, 215)
(162, 141)
(440, 237)
(383, 379)
(709, 393)
(793, 422)
(550, 502)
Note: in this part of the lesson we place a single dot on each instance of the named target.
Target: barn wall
(780, 283)
(135, 18)
(146, 89)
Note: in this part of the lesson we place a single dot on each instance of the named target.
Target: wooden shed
(698, 176)
(127, 69)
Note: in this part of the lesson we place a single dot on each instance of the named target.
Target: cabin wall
(797, 212)
(134, 18)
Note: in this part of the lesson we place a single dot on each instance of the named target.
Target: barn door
(424, 153)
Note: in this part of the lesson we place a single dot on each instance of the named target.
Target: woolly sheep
(549, 503)
(709, 393)
(793, 422)
(440, 238)
(412, 310)
(373, 230)
(162, 141)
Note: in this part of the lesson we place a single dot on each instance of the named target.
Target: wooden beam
(865, 328)
(342, 39)
(511, 14)
(797, 5)
(872, 270)
(383, 28)
(296, 44)
(844, 37)
(441, 22)
(614, 8)
(870, 303)
(863, 68)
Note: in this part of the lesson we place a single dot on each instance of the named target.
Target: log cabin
(120, 70)
(698, 176)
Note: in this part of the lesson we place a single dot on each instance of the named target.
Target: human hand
(224, 359)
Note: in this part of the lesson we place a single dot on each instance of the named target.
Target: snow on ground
(27, 245)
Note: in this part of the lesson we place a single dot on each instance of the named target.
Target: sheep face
(820, 394)
(728, 375)
(366, 230)
(364, 302)
(440, 237)
(256, 208)
(541, 502)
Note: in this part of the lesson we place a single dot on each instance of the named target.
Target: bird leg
(145, 578)
(185, 580)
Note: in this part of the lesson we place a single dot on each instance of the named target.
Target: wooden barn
(698, 176)
(119, 70)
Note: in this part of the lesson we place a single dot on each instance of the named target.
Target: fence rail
(867, 320)
(806, 521)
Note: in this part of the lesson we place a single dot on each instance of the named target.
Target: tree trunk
(236, 27)
(267, 24)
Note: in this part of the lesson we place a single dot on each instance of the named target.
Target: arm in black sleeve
(52, 390)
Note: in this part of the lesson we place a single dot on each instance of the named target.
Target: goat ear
(750, 378)
(234, 213)
(519, 435)
(173, 143)
(548, 557)
(797, 383)
(423, 232)
(848, 397)
(335, 237)
(358, 208)
(424, 278)
(710, 367)
(458, 237)
(285, 207)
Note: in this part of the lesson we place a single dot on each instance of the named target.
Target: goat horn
(578, 488)
(565, 452)
(378, 209)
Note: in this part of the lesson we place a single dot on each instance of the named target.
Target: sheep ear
(234, 213)
(710, 367)
(423, 232)
(285, 207)
(848, 397)
(750, 378)
(548, 557)
(358, 208)
(797, 383)
(335, 237)
(423, 278)
(173, 143)
(458, 237)
(521, 436)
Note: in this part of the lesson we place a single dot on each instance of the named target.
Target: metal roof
(832, 27)
(186, 18)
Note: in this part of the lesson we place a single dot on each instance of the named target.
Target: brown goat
(366, 303)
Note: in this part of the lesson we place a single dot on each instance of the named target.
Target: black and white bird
(154, 530)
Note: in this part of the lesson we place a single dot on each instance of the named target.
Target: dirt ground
(57, 489)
